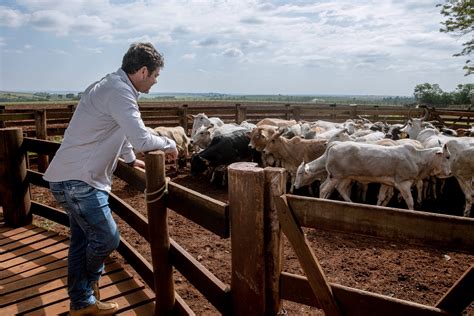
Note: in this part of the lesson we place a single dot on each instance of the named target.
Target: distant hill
(8, 96)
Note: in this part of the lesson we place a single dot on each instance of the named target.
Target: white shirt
(105, 125)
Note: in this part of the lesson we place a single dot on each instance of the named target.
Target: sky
(339, 47)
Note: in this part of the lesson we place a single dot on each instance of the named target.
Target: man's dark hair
(139, 55)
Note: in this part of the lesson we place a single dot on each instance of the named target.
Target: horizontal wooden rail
(201, 209)
(215, 291)
(207, 212)
(428, 229)
(17, 116)
(353, 302)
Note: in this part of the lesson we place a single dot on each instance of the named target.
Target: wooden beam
(14, 189)
(460, 295)
(310, 264)
(207, 212)
(353, 302)
(246, 202)
(158, 228)
(428, 229)
(213, 289)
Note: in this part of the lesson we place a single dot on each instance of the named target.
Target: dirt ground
(399, 270)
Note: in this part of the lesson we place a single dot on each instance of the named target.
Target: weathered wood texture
(353, 302)
(176, 113)
(275, 185)
(14, 190)
(434, 230)
(33, 281)
(460, 295)
(158, 229)
(246, 200)
(317, 279)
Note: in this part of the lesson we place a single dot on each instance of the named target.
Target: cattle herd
(340, 158)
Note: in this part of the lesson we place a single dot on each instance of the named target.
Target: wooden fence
(42, 120)
(257, 209)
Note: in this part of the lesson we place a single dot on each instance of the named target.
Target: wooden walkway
(33, 274)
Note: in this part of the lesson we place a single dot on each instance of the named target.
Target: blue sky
(234, 46)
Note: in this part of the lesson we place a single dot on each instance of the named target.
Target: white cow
(201, 119)
(397, 166)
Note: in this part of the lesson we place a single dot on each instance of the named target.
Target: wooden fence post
(240, 113)
(158, 227)
(275, 185)
(246, 203)
(2, 110)
(183, 117)
(287, 112)
(353, 111)
(41, 133)
(296, 111)
(14, 189)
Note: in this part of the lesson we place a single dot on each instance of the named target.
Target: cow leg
(385, 195)
(419, 192)
(344, 189)
(466, 187)
(405, 191)
(327, 187)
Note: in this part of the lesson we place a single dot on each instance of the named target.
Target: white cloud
(11, 18)
(233, 52)
(338, 36)
(189, 56)
(52, 21)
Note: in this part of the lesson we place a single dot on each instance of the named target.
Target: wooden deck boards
(33, 274)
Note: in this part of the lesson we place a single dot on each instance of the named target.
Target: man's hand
(138, 163)
(171, 156)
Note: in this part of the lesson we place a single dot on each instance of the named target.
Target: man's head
(142, 63)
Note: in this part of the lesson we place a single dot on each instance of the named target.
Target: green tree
(460, 21)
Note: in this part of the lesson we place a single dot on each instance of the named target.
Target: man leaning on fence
(106, 125)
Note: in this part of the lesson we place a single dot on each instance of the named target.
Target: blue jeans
(94, 236)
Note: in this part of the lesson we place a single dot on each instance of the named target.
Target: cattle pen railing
(42, 120)
(257, 212)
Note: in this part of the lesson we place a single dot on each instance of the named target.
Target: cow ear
(306, 168)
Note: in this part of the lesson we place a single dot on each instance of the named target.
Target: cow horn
(409, 114)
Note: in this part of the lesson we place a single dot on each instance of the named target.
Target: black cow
(223, 150)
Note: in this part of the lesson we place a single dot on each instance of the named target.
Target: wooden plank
(16, 116)
(460, 295)
(353, 302)
(48, 212)
(32, 248)
(38, 263)
(27, 241)
(40, 146)
(114, 272)
(17, 281)
(9, 231)
(133, 176)
(57, 301)
(34, 255)
(131, 216)
(137, 261)
(428, 229)
(310, 264)
(23, 235)
(147, 309)
(132, 300)
(215, 291)
(207, 212)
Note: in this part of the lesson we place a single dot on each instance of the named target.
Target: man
(106, 125)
